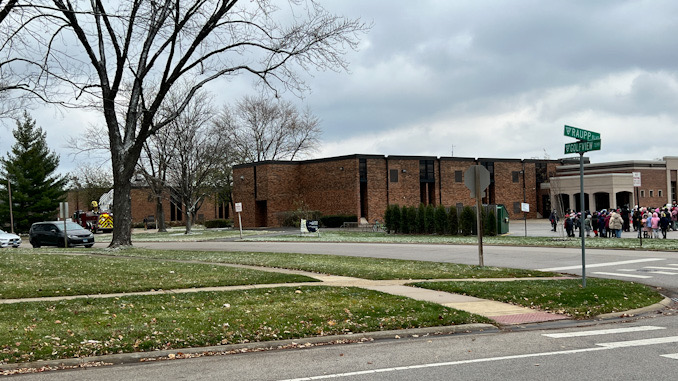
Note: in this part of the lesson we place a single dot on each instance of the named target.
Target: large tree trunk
(122, 211)
(160, 215)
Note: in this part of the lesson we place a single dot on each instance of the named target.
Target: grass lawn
(561, 296)
(359, 267)
(24, 275)
(347, 236)
(75, 328)
(198, 233)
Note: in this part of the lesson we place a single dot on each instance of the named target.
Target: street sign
(580, 134)
(238, 207)
(582, 146)
(470, 178)
(636, 179)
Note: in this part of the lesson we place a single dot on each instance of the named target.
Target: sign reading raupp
(581, 134)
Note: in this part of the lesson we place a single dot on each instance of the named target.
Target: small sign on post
(238, 209)
(63, 213)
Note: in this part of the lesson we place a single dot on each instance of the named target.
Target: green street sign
(582, 146)
(580, 134)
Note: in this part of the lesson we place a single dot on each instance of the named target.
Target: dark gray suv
(51, 233)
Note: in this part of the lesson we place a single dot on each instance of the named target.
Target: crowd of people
(647, 222)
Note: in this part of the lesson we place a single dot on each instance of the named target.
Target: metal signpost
(238, 209)
(63, 213)
(477, 179)
(588, 141)
(636, 186)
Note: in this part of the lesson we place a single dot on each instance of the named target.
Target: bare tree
(89, 183)
(137, 51)
(198, 150)
(266, 129)
(153, 164)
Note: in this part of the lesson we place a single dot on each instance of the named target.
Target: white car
(8, 239)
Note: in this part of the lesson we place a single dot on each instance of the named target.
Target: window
(516, 176)
(659, 193)
(651, 193)
(363, 170)
(516, 207)
(458, 177)
(426, 172)
(394, 175)
(642, 193)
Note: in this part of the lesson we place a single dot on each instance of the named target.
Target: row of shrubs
(427, 219)
(292, 218)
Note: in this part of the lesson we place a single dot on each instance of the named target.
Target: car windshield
(69, 226)
(2, 231)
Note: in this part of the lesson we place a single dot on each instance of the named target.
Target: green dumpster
(502, 220)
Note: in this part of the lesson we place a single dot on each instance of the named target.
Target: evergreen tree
(30, 167)
(453, 221)
(441, 224)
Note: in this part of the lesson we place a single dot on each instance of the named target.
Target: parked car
(51, 233)
(9, 239)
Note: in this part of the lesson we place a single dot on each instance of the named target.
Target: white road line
(638, 343)
(602, 332)
(603, 346)
(671, 356)
(624, 275)
(660, 268)
(663, 273)
(604, 264)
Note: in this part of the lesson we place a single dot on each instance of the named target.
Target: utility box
(502, 220)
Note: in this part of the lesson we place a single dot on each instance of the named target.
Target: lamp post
(11, 214)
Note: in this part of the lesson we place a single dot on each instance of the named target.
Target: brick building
(364, 185)
(143, 206)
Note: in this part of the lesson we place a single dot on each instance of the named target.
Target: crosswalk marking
(671, 356)
(638, 343)
(602, 332)
(663, 273)
(604, 264)
(660, 268)
(624, 275)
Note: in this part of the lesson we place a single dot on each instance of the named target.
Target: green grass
(339, 236)
(560, 296)
(359, 267)
(176, 234)
(36, 275)
(76, 328)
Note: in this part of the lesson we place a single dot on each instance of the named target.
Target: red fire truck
(94, 220)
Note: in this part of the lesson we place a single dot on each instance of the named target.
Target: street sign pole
(479, 224)
(581, 220)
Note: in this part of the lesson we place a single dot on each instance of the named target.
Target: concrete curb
(164, 355)
(657, 306)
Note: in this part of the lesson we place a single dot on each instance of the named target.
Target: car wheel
(88, 246)
(35, 244)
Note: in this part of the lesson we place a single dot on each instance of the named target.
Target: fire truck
(94, 220)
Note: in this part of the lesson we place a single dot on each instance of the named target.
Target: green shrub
(422, 224)
(430, 219)
(392, 219)
(441, 224)
(404, 220)
(489, 223)
(292, 218)
(467, 221)
(218, 223)
(453, 221)
(412, 219)
(336, 220)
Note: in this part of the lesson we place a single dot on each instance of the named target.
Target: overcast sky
(491, 79)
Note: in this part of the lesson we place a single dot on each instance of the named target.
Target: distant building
(364, 185)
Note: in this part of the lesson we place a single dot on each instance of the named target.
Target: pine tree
(30, 167)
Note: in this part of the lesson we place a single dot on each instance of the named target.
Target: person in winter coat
(601, 224)
(654, 222)
(569, 225)
(554, 220)
(664, 222)
(587, 225)
(608, 232)
(616, 224)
